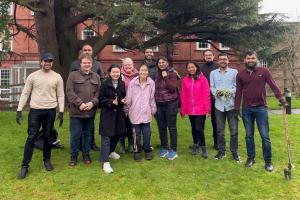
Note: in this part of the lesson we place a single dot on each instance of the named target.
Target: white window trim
(118, 49)
(197, 46)
(224, 48)
(155, 48)
(82, 33)
(6, 90)
(11, 9)
(263, 63)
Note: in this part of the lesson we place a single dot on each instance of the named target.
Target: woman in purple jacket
(140, 108)
(195, 102)
(166, 97)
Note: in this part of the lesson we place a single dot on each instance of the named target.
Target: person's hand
(208, 114)
(124, 100)
(219, 93)
(164, 74)
(60, 118)
(19, 117)
(237, 114)
(82, 106)
(88, 106)
(115, 101)
(283, 103)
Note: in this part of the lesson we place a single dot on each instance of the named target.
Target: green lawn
(187, 177)
(274, 104)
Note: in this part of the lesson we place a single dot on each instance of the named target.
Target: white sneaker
(114, 155)
(107, 168)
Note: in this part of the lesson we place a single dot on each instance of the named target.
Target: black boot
(137, 156)
(73, 161)
(149, 155)
(23, 173)
(204, 152)
(48, 165)
(195, 150)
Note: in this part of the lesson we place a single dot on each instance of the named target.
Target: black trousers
(197, 124)
(108, 145)
(128, 133)
(38, 118)
(214, 121)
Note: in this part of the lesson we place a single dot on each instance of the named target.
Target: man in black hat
(46, 91)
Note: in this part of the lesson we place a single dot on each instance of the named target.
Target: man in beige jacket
(45, 89)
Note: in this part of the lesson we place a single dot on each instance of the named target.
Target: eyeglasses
(48, 61)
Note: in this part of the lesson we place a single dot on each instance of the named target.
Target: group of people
(130, 97)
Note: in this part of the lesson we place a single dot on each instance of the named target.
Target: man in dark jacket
(208, 66)
(151, 62)
(97, 68)
(82, 92)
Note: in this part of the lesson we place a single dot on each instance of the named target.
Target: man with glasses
(97, 68)
(45, 89)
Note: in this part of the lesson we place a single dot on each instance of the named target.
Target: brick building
(15, 69)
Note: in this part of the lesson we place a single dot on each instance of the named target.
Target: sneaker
(236, 157)
(137, 156)
(204, 152)
(86, 158)
(269, 166)
(107, 168)
(114, 155)
(163, 152)
(195, 150)
(220, 155)
(48, 165)
(250, 162)
(23, 173)
(172, 155)
(149, 155)
(73, 161)
(95, 147)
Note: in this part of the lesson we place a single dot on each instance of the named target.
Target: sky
(289, 7)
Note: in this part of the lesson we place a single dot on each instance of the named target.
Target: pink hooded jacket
(195, 96)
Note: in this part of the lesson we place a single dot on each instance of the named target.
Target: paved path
(294, 111)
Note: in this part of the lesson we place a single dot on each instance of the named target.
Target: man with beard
(223, 87)
(206, 68)
(45, 89)
(97, 68)
(151, 63)
(251, 84)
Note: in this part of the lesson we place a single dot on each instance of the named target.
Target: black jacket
(112, 117)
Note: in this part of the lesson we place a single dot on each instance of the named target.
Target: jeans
(233, 127)
(260, 114)
(145, 130)
(81, 129)
(197, 124)
(36, 119)
(108, 145)
(213, 120)
(167, 117)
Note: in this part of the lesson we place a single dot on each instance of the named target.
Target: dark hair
(250, 53)
(206, 50)
(161, 58)
(197, 67)
(113, 66)
(222, 54)
(147, 48)
(85, 44)
(143, 65)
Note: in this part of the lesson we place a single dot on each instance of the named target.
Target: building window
(202, 45)
(264, 63)
(223, 47)
(88, 33)
(155, 48)
(4, 81)
(116, 48)
(11, 9)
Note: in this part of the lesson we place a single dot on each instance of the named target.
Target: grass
(187, 177)
(273, 103)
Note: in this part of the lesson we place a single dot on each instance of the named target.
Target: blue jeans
(108, 145)
(81, 128)
(145, 130)
(260, 114)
